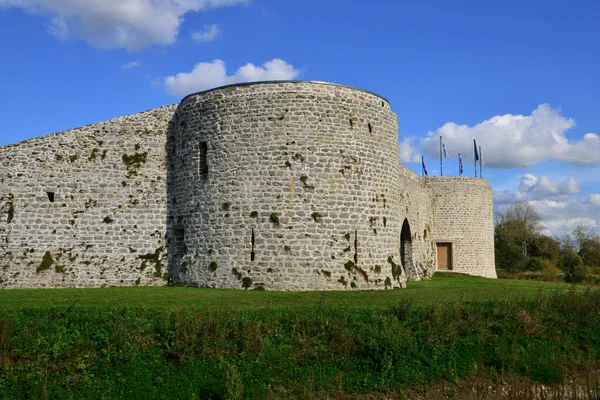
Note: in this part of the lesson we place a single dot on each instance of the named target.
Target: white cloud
(509, 141)
(131, 64)
(208, 34)
(532, 187)
(130, 24)
(206, 75)
(558, 202)
(408, 152)
(543, 187)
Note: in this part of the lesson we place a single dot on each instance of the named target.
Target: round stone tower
(463, 225)
(284, 185)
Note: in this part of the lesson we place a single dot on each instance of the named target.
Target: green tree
(509, 255)
(572, 265)
(521, 223)
(588, 245)
(545, 247)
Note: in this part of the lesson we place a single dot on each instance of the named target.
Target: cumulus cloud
(561, 208)
(207, 75)
(130, 24)
(208, 34)
(511, 141)
(543, 187)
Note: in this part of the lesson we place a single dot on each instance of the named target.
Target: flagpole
(480, 158)
(459, 173)
(441, 167)
(475, 156)
(422, 166)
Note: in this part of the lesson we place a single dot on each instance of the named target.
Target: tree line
(523, 249)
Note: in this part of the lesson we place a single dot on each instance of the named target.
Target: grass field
(441, 288)
(184, 343)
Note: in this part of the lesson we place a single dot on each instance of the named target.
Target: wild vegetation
(524, 252)
(306, 345)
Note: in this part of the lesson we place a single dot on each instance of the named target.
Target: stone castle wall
(106, 222)
(280, 185)
(307, 169)
(463, 215)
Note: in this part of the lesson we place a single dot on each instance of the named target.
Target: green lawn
(185, 343)
(441, 288)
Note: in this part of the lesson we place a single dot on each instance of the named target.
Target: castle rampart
(274, 185)
(86, 207)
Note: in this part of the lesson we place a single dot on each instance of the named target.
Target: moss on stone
(304, 179)
(349, 266)
(94, 154)
(11, 212)
(396, 268)
(274, 218)
(317, 217)
(154, 258)
(46, 263)
(246, 282)
(134, 162)
(213, 266)
(107, 220)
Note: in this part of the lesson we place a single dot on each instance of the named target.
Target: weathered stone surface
(284, 186)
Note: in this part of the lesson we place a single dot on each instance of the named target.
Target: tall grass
(314, 351)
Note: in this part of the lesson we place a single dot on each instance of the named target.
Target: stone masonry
(275, 185)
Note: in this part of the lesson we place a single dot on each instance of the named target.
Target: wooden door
(444, 255)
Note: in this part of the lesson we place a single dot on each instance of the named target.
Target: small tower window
(50, 196)
(202, 159)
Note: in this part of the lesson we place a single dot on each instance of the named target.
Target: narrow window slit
(356, 247)
(252, 252)
(50, 196)
(202, 159)
(370, 128)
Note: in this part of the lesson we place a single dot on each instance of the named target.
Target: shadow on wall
(406, 254)
(175, 229)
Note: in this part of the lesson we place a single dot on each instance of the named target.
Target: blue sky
(520, 77)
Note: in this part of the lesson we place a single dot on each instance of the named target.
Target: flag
(423, 164)
(460, 165)
(445, 154)
(476, 153)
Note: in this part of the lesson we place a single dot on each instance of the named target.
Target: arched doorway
(406, 246)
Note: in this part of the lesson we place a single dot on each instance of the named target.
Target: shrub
(572, 265)
(534, 264)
